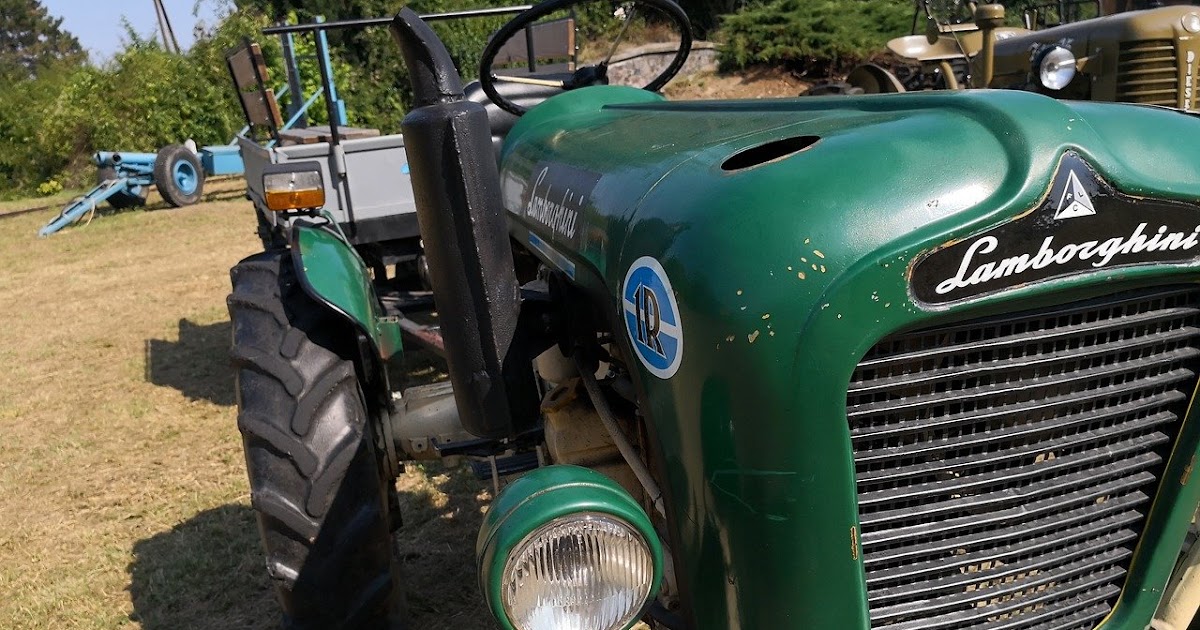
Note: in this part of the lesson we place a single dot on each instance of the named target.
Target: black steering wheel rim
(487, 80)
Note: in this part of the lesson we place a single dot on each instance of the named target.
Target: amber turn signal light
(293, 187)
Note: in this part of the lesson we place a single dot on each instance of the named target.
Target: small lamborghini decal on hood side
(1082, 225)
(556, 197)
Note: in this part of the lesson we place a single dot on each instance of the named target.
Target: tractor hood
(808, 188)
(748, 253)
(1135, 57)
(1129, 26)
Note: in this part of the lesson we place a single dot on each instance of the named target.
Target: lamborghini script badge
(1083, 225)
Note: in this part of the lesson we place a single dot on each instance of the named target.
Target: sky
(97, 23)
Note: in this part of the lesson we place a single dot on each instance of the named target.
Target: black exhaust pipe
(456, 184)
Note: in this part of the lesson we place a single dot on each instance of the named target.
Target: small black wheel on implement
(178, 175)
(123, 199)
(322, 495)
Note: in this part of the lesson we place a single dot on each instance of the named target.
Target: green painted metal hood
(890, 166)
(786, 273)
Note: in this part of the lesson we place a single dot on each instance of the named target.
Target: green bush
(146, 98)
(817, 36)
(143, 99)
(22, 165)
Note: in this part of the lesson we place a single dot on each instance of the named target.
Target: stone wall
(639, 65)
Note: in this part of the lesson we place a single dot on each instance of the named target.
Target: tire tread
(314, 478)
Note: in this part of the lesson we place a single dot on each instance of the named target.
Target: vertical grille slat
(1148, 73)
(1005, 465)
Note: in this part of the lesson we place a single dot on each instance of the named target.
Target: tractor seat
(917, 48)
(522, 94)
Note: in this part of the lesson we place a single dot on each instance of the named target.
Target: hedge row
(146, 98)
(818, 36)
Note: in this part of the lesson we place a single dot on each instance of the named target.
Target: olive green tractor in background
(1134, 51)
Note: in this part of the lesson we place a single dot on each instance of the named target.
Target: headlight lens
(1057, 68)
(1191, 22)
(586, 571)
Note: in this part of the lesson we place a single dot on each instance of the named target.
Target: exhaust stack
(456, 184)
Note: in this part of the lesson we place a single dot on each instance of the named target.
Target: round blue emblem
(652, 317)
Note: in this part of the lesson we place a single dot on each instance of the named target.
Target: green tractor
(888, 362)
(1101, 50)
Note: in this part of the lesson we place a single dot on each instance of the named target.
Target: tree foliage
(31, 40)
(141, 100)
(815, 35)
(376, 88)
(57, 111)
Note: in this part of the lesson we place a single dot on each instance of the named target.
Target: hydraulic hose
(610, 424)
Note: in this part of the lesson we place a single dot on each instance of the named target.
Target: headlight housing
(1056, 68)
(566, 548)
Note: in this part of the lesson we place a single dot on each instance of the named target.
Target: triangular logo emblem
(1075, 201)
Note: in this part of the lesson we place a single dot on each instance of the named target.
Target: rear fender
(873, 79)
(333, 274)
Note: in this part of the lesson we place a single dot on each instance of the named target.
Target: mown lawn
(123, 493)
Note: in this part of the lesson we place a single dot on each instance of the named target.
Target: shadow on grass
(197, 365)
(16, 213)
(205, 573)
(208, 196)
(208, 572)
(442, 513)
(225, 195)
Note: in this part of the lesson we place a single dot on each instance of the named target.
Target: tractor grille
(1005, 465)
(1147, 73)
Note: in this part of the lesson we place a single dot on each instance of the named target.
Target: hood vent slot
(772, 151)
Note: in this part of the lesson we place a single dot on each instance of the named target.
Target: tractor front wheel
(178, 175)
(319, 488)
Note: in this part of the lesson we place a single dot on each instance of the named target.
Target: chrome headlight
(1191, 22)
(580, 572)
(566, 548)
(1056, 68)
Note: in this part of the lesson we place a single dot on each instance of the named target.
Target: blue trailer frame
(134, 171)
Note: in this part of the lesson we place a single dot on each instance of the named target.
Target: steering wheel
(623, 10)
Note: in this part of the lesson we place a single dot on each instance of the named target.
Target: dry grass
(757, 82)
(123, 495)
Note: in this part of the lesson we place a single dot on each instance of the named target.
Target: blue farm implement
(178, 171)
